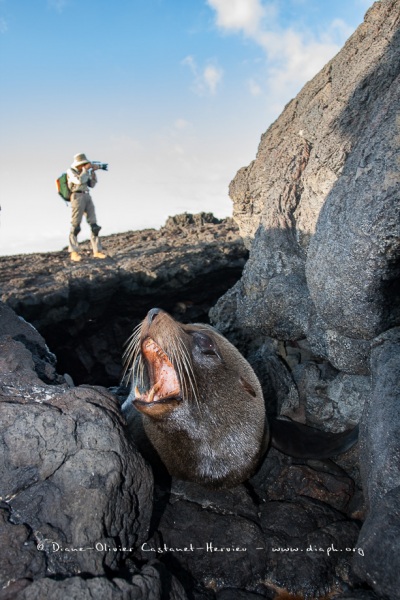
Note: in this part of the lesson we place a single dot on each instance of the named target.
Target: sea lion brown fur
(200, 402)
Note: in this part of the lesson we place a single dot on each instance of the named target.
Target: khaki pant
(82, 204)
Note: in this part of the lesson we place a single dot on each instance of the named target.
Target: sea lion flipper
(301, 441)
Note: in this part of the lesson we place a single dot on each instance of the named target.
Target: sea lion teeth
(156, 387)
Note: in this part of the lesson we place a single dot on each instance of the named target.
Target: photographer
(80, 177)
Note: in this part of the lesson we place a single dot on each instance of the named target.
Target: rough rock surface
(68, 477)
(321, 199)
(380, 446)
(358, 595)
(86, 311)
(224, 540)
(151, 583)
(380, 462)
(76, 502)
(317, 309)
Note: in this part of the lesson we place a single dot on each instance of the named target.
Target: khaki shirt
(79, 182)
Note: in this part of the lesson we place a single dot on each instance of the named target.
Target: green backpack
(62, 187)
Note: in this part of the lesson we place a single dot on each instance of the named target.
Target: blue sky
(173, 94)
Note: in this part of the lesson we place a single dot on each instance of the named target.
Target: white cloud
(338, 29)
(191, 63)
(206, 79)
(294, 60)
(238, 15)
(292, 57)
(212, 76)
(254, 88)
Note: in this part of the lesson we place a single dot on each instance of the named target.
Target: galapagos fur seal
(199, 403)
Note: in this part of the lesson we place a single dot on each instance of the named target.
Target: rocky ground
(82, 517)
(86, 311)
(81, 512)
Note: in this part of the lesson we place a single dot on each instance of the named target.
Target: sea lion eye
(205, 343)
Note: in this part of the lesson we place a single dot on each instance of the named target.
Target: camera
(100, 165)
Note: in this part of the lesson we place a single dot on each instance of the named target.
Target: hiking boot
(99, 255)
(75, 257)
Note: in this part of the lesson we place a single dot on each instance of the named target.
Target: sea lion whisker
(179, 366)
(129, 356)
(175, 356)
(132, 353)
(188, 362)
(179, 369)
(131, 346)
(133, 337)
(191, 385)
(131, 366)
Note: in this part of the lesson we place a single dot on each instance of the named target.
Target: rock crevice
(87, 311)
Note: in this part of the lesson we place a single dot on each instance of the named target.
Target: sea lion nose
(151, 315)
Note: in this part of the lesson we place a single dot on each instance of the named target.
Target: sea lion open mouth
(164, 384)
(200, 406)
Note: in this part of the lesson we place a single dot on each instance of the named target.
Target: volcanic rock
(75, 496)
(77, 502)
(231, 539)
(152, 582)
(86, 311)
(380, 463)
(319, 210)
(319, 206)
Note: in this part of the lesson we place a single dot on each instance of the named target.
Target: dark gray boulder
(380, 541)
(20, 330)
(211, 536)
(380, 469)
(319, 209)
(76, 496)
(234, 594)
(224, 540)
(380, 426)
(358, 595)
(308, 547)
(19, 554)
(147, 584)
(353, 259)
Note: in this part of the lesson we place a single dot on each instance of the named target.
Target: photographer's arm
(77, 178)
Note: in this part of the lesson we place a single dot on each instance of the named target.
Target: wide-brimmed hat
(80, 159)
